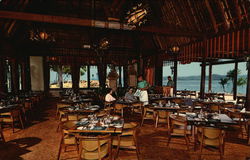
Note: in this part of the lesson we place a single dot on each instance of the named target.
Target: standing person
(143, 85)
(169, 88)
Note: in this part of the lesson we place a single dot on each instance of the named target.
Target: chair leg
(156, 121)
(12, 126)
(1, 132)
(142, 121)
(169, 138)
(118, 146)
(221, 152)
(21, 121)
(201, 147)
(187, 142)
(137, 153)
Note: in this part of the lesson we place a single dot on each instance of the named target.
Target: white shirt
(109, 98)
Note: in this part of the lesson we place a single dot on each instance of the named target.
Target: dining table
(90, 109)
(209, 118)
(95, 124)
(166, 99)
(72, 102)
(167, 107)
(8, 108)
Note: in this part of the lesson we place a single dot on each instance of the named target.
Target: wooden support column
(120, 77)
(75, 71)
(46, 74)
(140, 66)
(210, 78)
(175, 76)
(203, 78)
(247, 105)
(88, 75)
(14, 75)
(158, 74)
(3, 87)
(28, 74)
(235, 80)
(125, 76)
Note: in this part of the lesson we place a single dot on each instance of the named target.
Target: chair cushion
(94, 154)
(68, 139)
(125, 141)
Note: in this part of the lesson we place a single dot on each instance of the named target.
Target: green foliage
(241, 81)
(223, 82)
(83, 70)
(230, 74)
(67, 69)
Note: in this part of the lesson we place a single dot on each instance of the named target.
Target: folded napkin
(243, 110)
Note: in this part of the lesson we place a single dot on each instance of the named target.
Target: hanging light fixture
(175, 49)
(137, 15)
(104, 44)
(41, 35)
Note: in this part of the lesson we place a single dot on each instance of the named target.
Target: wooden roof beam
(238, 12)
(92, 23)
(212, 17)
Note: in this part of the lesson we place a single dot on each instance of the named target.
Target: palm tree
(223, 82)
(241, 81)
(230, 74)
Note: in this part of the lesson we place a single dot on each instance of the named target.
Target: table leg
(248, 133)
(1, 133)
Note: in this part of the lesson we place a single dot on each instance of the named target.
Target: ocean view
(193, 83)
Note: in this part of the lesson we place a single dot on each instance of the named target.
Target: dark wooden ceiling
(170, 22)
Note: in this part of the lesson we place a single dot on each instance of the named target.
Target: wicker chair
(12, 117)
(179, 127)
(208, 136)
(68, 138)
(147, 114)
(118, 108)
(162, 117)
(94, 147)
(128, 138)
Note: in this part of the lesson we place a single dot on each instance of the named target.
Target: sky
(194, 69)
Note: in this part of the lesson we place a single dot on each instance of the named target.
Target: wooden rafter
(89, 23)
(238, 11)
(212, 17)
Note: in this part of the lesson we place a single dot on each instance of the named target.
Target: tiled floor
(40, 141)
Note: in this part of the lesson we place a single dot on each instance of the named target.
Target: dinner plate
(118, 126)
(115, 118)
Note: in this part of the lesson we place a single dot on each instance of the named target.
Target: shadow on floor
(14, 149)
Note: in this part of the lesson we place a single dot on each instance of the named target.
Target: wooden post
(210, 78)
(247, 105)
(125, 76)
(175, 76)
(14, 76)
(120, 77)
(28, 75)
(3, 87)
(46, 74)
(235, 80)
(158, 75)
(203, 78)
(88, 75)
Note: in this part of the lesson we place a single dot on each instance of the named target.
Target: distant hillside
(215, 77)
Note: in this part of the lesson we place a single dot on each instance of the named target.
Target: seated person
(129, 96)
(109, 97)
